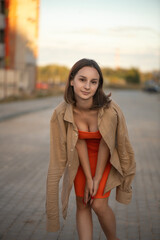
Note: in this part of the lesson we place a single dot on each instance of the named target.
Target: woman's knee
(99, 205)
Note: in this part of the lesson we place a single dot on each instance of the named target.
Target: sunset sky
(124, 33)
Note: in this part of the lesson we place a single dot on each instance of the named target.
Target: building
(18, 45)
(2, 33)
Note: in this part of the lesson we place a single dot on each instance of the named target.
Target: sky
(115, 33)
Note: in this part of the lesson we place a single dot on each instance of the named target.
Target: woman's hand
(88, 192)
(95, 188)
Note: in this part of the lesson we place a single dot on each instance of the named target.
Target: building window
(1, 35)
(2, 6)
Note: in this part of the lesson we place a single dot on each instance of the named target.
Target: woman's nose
(87, 85)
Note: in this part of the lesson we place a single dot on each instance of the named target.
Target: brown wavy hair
(100, 99)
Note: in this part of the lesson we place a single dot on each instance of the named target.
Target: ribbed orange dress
(92, 140)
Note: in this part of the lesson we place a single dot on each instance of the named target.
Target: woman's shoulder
(114, 111)
(114, 106)
(61, 107)
(59, 110)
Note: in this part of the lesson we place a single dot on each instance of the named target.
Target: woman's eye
(94, 82)
(82, 79)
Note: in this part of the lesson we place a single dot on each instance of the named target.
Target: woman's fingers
(91, 192)
(91, 201)
(88, 190)
(94, 191)
(86, 193)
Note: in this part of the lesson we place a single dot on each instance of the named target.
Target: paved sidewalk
(15, 109)
(24, 157)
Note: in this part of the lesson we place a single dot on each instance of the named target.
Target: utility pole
(117, 58)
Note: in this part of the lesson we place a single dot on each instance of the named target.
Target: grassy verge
(37, 94)
(125, 87)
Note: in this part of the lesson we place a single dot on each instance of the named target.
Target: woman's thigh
(80, 204)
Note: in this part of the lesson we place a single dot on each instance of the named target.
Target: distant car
(43, 86)
(151, 86)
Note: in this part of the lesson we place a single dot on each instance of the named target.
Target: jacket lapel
(68, 115)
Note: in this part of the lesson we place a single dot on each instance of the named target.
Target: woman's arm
(82, 150)
(103, 156)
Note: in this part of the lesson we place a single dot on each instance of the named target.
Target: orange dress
(92, 140)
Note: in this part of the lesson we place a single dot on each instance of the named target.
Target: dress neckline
(88, 131)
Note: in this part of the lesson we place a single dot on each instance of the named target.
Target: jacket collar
(68, 115)
(100, 112)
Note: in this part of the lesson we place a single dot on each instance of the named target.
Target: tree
(52, 73)
(132, 76)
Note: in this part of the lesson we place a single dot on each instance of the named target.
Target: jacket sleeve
(55, 171)
(127, 160)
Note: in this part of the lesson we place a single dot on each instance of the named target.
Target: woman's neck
(84, 105)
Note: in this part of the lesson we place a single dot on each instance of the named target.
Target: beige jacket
(64, 158)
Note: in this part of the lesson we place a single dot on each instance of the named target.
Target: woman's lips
(85, 93)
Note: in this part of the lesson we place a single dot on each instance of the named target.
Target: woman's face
(85, 83)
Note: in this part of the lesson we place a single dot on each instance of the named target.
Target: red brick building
(18, 38)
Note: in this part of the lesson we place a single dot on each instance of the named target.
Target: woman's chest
(86, 121)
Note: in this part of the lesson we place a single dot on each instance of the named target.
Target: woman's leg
(106, 217)
(84, 220)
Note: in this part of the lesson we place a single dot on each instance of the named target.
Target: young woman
(89, 145)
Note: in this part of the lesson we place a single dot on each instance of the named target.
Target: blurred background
(41, 40)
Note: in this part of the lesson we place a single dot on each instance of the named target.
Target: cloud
(138, 46)
(144, 62)
(133, 30)
(90, 31)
